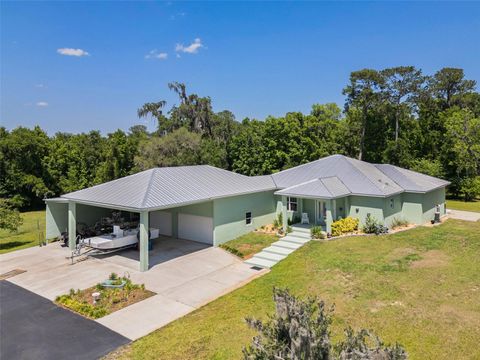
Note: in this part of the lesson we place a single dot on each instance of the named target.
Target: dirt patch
(431, 259)
(399, 253)
(456, 314)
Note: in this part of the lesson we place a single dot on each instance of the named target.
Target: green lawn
(27, 234)
(462, 205)
(419, 287)
(249, 244)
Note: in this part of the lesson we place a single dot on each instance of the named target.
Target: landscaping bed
(109, 299)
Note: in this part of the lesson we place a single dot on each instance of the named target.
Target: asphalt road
(32, 327)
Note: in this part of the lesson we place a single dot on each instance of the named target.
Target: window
(291, 203)
(392, 203)
(248, 218)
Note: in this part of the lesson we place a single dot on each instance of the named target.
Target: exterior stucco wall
(412, 208)
(392, 209)
(360, 206)
(309, 208)
(429, 201)
(56, 219)
(229, 214)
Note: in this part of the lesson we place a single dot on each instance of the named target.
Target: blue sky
(255, 59)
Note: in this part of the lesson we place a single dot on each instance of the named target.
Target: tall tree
(400, 88)
(449, 85)
(363, 93)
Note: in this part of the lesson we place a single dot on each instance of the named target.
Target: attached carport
(190, 222)
(186, 202)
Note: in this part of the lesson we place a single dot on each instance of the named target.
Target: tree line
(428, 123)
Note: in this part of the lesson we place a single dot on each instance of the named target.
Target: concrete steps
(280, 249)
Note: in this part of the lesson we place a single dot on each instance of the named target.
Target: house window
(291, 203)
(392, 203)
(248, 218)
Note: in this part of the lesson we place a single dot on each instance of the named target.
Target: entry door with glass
(321, 212)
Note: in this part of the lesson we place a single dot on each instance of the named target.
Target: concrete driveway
(464, 215)
(184, 274)
(34, 328)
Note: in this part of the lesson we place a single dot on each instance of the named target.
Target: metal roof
(329, 177)
(171, 186)
(328, 188)
(411, 181)
(359, 177)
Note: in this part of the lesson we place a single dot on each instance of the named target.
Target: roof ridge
(147, 191)
(308, 163)
(326, 187)
(395, 168)
(109, 182)
(301, 184)
(370, 180)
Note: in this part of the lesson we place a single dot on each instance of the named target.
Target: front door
(321, 212)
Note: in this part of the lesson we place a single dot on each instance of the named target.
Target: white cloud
(154, 54)
(72, 52)
(39, 85)
(190, 49)
(42, 104)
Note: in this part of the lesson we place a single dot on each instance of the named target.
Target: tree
(363, 93)
(463, 131)
(400, 87)
(10, 218)
(154, 109)
(300, 329)
(449, 85)
(428, 167)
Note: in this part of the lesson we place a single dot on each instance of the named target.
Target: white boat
(116, 240)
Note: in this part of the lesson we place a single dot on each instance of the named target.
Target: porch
(305, 212)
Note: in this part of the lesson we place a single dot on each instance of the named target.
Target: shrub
(317, 233)
(398, 222)
(278, 222)
(344, 226)
(373, 226)
(300, 329)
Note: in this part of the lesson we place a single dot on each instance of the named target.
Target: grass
(462, 205)
(27, 235)
(110, 300)
(419, 287)
(249, 244)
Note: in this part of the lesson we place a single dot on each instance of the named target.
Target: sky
(78, 66)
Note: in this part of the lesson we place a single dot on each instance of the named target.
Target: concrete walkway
(280, 249)
(184, 274)
(464, 215)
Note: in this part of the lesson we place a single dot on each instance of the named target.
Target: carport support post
(144, 241)
(72, 225)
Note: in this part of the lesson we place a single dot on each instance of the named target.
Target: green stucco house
(210, 205)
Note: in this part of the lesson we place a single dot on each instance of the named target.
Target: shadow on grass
(13, 244)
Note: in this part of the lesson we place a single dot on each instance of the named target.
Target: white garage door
(196, 228)
(161, 220)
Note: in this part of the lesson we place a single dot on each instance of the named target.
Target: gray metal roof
(359, 177)
(328, 188)
(171, 186)
(411, 181)
(330, 177)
